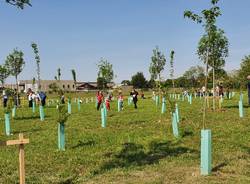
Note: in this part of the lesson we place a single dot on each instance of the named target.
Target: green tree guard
(69, 108)
(14, 112)
(241, 109)
(41, 110)
(157, 100)
(103, 118)
(206, 152)
(61, 136)
(175, 125)
(163, 108)
(190, 99)
(7, 123)
(33, 107)
(105, 110)
(119, 105)
(241, 96)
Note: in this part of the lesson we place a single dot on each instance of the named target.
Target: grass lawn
(137, 146)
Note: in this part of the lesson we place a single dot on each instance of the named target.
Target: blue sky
(76, 34)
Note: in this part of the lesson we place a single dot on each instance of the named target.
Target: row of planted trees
(212, 50)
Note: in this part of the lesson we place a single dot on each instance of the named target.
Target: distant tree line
(194, 77)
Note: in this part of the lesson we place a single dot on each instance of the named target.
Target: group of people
(100, 99)
(16, 98)
(219, 91)
(39, 97)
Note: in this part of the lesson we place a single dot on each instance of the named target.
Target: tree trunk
(213, 87)
(17, 91)
(38, 77)
(205, 98)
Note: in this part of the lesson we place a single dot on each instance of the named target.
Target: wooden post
(21, 161)
(21, 141)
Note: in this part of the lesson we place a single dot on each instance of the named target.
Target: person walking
(134, 95)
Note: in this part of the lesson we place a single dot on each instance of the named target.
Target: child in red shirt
(99, 100)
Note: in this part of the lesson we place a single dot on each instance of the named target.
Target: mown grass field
(136, 147)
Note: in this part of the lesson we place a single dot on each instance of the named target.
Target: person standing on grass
(99, 100)
(120, 99)
(248, 87)
(30, 99)
(134, 95)
(62, 99)
(42, 98)
(107, 101)
(5, 99)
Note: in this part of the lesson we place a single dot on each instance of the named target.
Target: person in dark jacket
(5, 99)
(134, 95)
(248, 87)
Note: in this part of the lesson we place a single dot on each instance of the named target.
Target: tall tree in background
(15, 64)
(210, 40)
(195, 74)
(244, 70)
(4, 74)
(37, 58)
(126, 82)
(157, 65)
(59, 74)
(19, 3)
(73, 72)
(218, 53)
(172, 67)
(105, 72)
(138, 80)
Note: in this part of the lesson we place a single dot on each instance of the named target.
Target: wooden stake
(21, 141)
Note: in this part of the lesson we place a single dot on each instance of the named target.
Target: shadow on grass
(235, 106)
(29, 118)
(219, 167)
(84, 144)
(187, 133)
(135, 155)
(27, 131)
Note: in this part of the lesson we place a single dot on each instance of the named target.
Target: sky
(76, 34)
